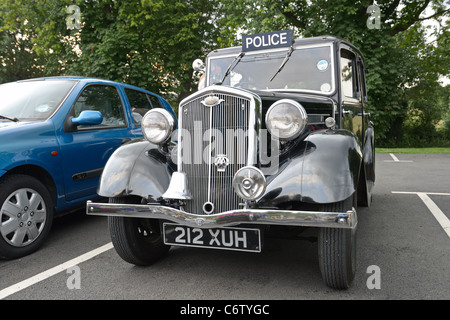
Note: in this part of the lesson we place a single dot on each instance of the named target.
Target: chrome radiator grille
(211, 132)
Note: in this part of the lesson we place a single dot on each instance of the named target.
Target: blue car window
(33, 100)
(104, 99)
(140, 103)
(155, 101)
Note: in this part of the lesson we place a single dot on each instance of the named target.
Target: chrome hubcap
(22, 217)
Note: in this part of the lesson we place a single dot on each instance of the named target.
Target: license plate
(240, 239)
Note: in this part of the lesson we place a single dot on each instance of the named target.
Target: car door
(85, 149)
(352, 107)
(368, 129)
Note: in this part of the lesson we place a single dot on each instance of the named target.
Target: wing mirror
(88, 118)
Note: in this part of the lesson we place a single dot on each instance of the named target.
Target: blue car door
(85, 149)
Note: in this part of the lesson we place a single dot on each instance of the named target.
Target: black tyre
(337, 251)
(137, 241)
(26, 215)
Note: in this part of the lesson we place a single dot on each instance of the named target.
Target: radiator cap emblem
(212, 101)
(221, 162)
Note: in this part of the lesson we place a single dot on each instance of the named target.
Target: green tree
(152, 43)
(17, 60)
(392, 51)
(148, 43)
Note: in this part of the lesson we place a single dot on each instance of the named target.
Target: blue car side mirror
(88, 118)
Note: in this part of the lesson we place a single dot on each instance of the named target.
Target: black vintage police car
(279, 139)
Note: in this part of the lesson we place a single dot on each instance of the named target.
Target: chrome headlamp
(249, 183)
(286, 119)
(157, 125)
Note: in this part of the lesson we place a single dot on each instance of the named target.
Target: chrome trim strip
(252, 125)
(347, 219)
(219, 89)
(253, 128)
(209, 153)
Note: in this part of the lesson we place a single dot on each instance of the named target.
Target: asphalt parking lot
(403, 248)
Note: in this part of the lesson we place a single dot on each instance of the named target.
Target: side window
(140, 103)
(349, 76)
(155, 101)
(101, 98)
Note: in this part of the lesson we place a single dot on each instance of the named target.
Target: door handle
(365, 114)
(345, 112)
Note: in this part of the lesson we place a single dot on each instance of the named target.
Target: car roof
(298, 41)
(90, 80)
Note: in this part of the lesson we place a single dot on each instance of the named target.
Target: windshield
(307, 69)
(32, 100)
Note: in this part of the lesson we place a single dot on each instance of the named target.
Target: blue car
(56, 135)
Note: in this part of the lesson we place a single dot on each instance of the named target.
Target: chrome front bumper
(229, 218)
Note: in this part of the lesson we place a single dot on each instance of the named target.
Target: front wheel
(137, 241)
(337, 251)
(26, 214)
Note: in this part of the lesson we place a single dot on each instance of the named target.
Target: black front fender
(137, 168)
(324, 168)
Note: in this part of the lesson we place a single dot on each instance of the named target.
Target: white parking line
(51, 272)
(437, 213)
(432, 193)
(395, 159)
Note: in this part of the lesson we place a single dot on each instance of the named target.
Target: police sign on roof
(269, 40)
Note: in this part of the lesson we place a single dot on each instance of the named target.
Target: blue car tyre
(26, 214)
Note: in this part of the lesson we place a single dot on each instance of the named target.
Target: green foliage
(428, 119)
(152, 43)
(397, 54)
(24, 63)
(148, 43)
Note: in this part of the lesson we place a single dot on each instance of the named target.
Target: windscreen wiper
(286, 58)
(229, 69)
(8, 118)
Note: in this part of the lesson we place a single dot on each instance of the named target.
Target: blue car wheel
(26, 213)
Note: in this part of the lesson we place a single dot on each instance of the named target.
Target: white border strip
(395, 159)
(51, 272)
(432, 193)
(437, 213)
